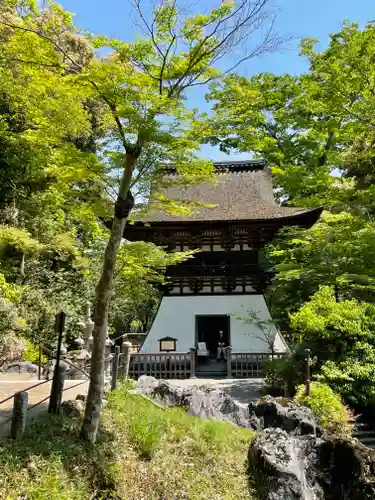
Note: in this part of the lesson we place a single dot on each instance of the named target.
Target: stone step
(367, 439)
(362, 426)
(364, 433)
(360, 434)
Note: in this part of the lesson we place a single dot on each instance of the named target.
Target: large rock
(198, 401)
(11, 350)
(283, 413)
(281, 466)
(73, 407)
(346, 469)
(287, 467)
(217, 405)
(22, 367)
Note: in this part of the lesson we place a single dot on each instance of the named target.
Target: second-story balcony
(218, 271)
(231, 278)
(225, 271)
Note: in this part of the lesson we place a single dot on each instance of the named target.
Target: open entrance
(208, 328)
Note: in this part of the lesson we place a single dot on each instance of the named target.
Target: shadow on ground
(242, 391)
(58, 436)
(32, 413)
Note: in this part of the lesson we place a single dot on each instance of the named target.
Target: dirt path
(9, 384)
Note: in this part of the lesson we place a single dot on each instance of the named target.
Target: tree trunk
(123, 206)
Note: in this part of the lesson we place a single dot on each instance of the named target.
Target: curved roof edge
(304, 218)
(233, 165)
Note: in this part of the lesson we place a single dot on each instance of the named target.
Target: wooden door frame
(211, 316)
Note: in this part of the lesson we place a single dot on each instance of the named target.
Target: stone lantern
(108, 356)
(81, 355)
(88, 328)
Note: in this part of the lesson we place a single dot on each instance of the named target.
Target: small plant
(128, 384)
(266, 329)
(328, 407)
(31, 354)
(283, 375)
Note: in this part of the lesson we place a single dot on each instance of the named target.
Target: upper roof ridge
(240, 165)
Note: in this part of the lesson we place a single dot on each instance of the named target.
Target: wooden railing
(162, 365)
(180, 365)
(218, 271)
(248, 364)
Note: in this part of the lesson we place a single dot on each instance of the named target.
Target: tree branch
(43, 36)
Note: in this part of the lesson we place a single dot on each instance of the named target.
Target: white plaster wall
(280, 345)
(176, 318)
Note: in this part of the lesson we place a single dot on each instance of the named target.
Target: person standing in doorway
(221, 347)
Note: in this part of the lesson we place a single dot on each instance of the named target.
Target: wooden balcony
(229, 278)
(217, 271)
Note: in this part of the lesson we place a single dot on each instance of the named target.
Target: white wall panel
(176, 318)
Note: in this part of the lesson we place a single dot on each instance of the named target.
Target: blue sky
(298, 18)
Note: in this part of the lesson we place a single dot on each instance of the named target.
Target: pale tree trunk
(123, 206)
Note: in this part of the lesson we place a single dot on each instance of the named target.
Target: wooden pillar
(20, 406)
(57, 389)
(192, 362)
(229, 361)
(40, 362)
(115, 365)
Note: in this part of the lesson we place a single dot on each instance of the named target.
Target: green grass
(143, 452)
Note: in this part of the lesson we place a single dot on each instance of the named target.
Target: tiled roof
(241, 190)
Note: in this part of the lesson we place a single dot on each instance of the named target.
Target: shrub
(128, 384)
(340, 335)
(327, 406)
(32, 354)
(283, 375)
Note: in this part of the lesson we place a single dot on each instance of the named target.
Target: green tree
(270, 117)
(316, 131)
(142, 86)
(140, 270)
(309, 127)
(337, 251)
(340, 335)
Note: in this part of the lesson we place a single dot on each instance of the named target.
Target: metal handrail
(6, 421)
(162, 353)
(65, 389)
(48, 351)
(23, 390)
(41, 401)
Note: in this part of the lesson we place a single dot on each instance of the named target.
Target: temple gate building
(226, 279)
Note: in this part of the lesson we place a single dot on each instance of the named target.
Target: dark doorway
(208, 328)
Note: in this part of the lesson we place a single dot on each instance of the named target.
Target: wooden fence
(180, 365)
(176, 365)
(249, 364)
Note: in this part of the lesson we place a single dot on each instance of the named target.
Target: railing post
(115, 365)
(20, 406)
(192, 362)
(59, 372)
(308, 382)
(126, 347)
(57, 389)
(40, 362)
(229, 361)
